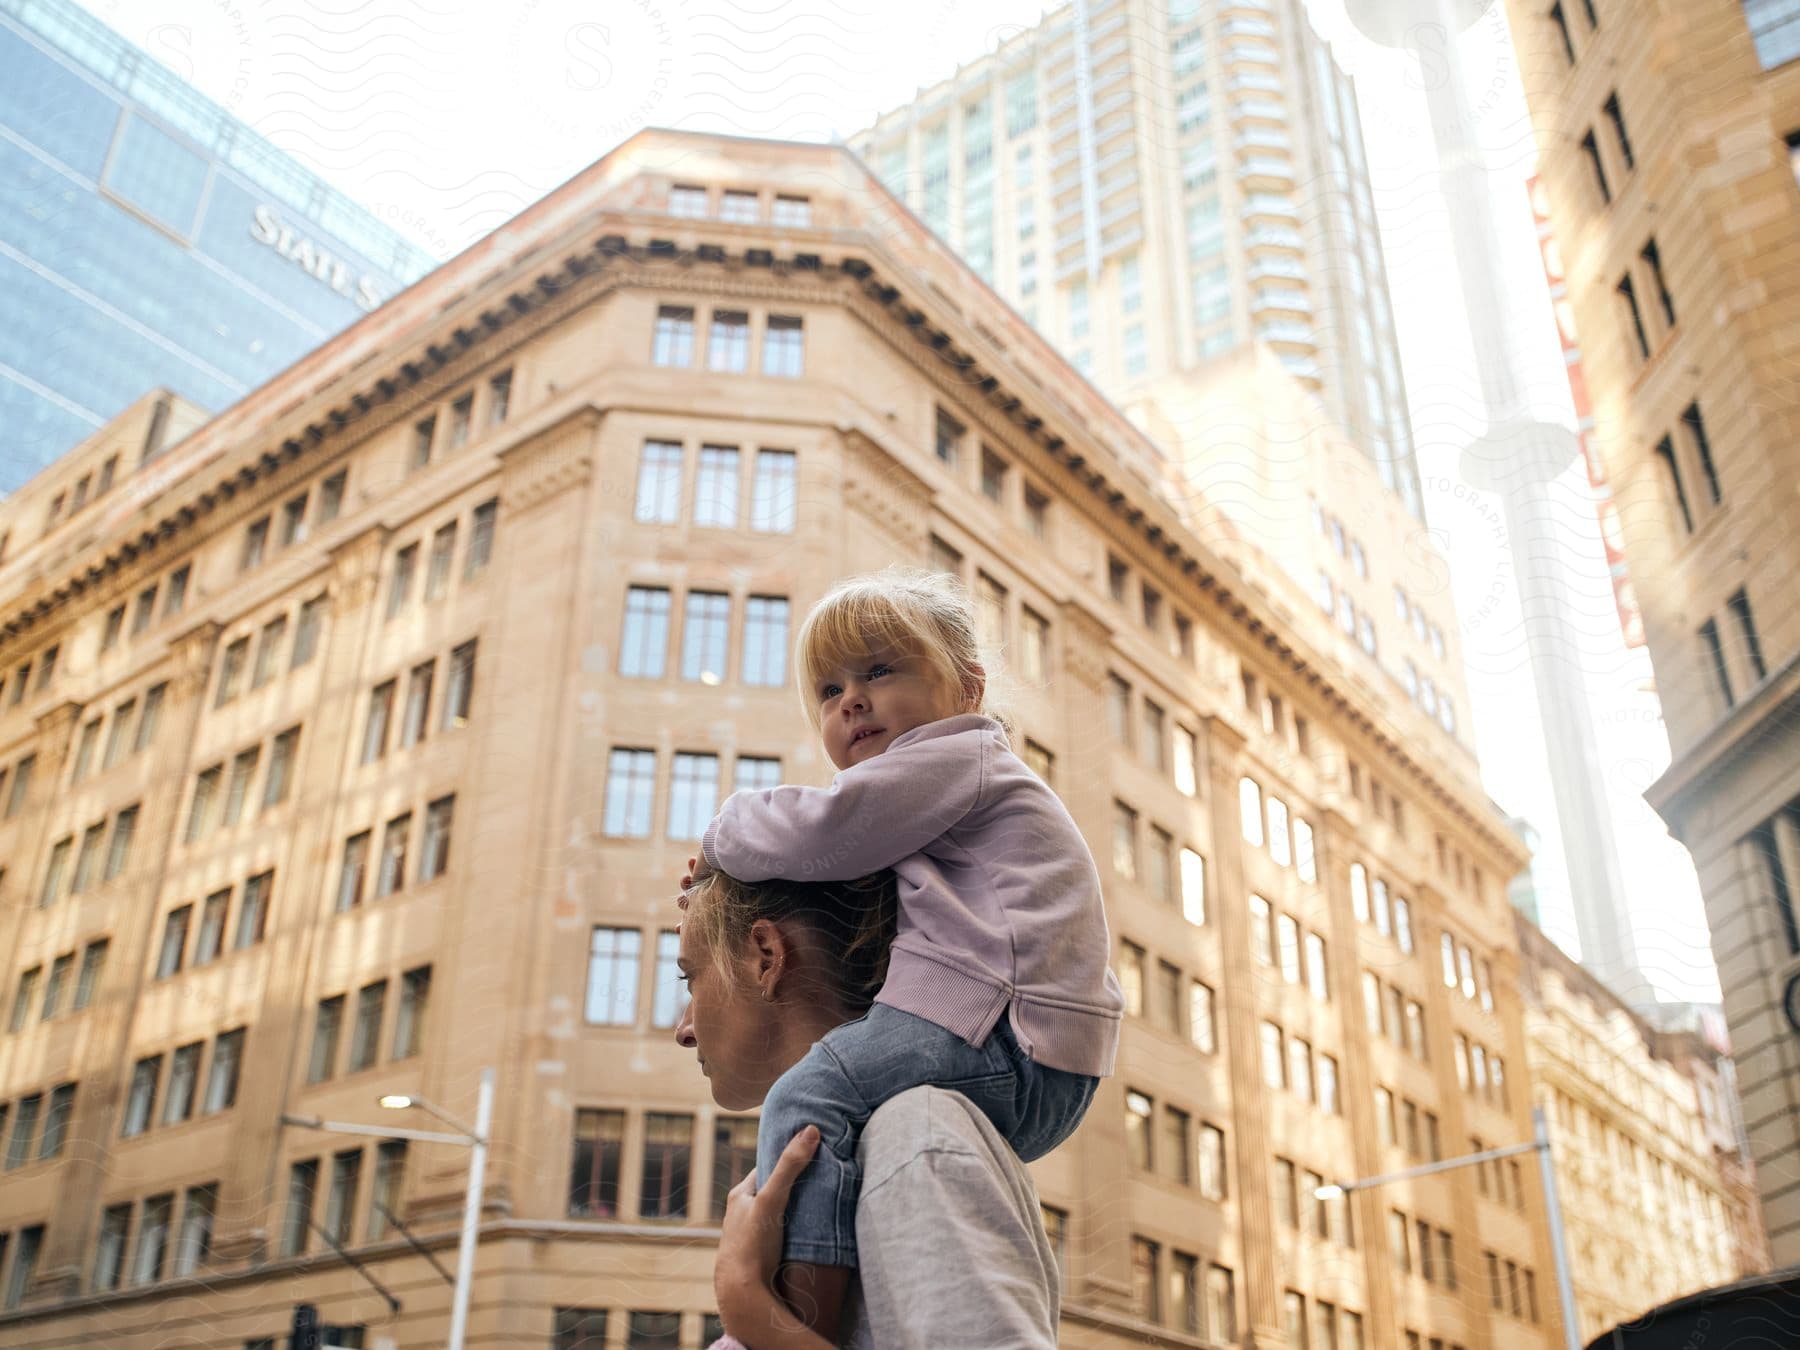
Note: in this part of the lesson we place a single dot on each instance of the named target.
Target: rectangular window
(281, 768)
(222, 1078)
(1125, 846)
(340, 1202)
(306, 632)
(1616, 115)
(594, 1164)
(1159, 875)
(1262, 931)
(693, 794)
(784, 346)
(328, 1020)
(296, 1230)
(765, 640)
(716, 487)
(630, 784)
(1561, 20)
(384, 1195)
(434, 849)
(56, 1122)
(1250, 818)
(390, 875)
(140, 1102)
(1287, 947)
(728, 342)
(1202, 1030)
(773, 491)
(499, 398)
(1695, 426)
(211, 940)
(755, 774)
(58, 983)
(423, 435)
(153, 1239)
(1739, 605)
(734, 1157)
(1221, 1305)
(706, 632)
(293, 521)
(612, 979)
(1138, 1112)
(1591, 148)
(668, 1145)
(375, 726)
(24, 1134)
(659, 483)
(740, 207)
(443, 553)
(409, 1019)
(1145, 1289)
(1627, 292)
(793, 211)
(365, 1036)
(93, 962)
(253, 913)
(115, 1236)
(481, 539)
(184, 1082)
(416, 718)
(231, 670)
(174, 941)
(1037, 513)
(460, 694)
(268, 648)
(948, 440)
(673, 342)
(1318, 975)
(668, 995)
(406, 562)
(1653, 256)
(353, 871)
(462, 416)
(1274, 1057)
(1715, 652)
(55, 872)
(118, 848)
(84, 753)
(256, 541)
(1131, 977)
(243, 769)
(331, 497)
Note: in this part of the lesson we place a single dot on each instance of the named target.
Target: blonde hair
(920, 614)
(854, 923)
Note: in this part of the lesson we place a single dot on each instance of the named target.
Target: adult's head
(771, 966)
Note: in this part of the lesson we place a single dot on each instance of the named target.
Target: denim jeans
(854, 1068)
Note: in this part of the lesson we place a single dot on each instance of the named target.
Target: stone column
(1082, 772)
(1250, 1130)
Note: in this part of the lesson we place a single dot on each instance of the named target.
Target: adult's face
(729, 1026)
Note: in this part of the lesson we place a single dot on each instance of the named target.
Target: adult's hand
(750, 1254)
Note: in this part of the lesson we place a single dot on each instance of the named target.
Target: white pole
(465, 1250)
(1559, 1249)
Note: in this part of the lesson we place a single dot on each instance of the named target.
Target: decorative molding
(192, 652)
(559, 458)
(1084, 641)
(881, 490)
(356, 569)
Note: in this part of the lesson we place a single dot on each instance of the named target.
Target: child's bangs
(850, 626)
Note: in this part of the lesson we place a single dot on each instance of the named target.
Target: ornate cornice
(1024, 396)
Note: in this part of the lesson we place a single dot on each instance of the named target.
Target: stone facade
(459, 630)
(1666, 132)
(1649, 1160)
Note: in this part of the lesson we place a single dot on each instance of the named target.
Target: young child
(998, 985)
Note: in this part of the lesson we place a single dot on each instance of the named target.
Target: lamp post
(1540, 1145)
(475, 1140)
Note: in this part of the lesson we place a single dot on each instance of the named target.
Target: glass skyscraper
(149, 238)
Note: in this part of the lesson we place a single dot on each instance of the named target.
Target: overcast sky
(446, 117)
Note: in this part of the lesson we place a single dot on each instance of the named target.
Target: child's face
(864, 706)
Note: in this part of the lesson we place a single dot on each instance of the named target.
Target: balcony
(1265, 173)
(1270, 269)
(1267, 206)
(1274, 236)
(1281, 301)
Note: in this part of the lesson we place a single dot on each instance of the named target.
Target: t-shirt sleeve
(949, 1234)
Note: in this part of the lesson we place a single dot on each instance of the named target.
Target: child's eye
(876, 672)
(829, 691)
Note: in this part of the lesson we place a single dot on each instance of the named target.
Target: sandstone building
(354, 743)
(1667, 133)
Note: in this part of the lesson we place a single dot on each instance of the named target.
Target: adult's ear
(769, 956)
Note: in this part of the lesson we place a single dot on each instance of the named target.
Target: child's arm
(876, 813)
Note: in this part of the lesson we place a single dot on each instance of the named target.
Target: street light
(1540, 1145)
(475, 1140)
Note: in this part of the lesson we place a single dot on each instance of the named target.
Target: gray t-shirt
(949, 1233)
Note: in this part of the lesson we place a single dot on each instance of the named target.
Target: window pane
(613, 976)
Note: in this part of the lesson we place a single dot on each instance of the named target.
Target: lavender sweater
(1000, 904)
